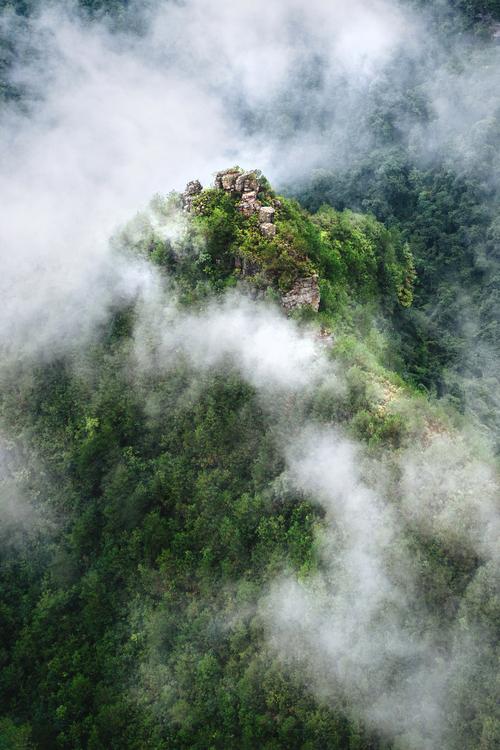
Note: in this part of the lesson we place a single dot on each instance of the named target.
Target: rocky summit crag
(248, 189)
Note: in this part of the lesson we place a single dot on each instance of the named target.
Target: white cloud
(361, 628)
(269, 350)
(114, 117)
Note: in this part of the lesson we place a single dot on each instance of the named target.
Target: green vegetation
(129, 604)
(449, 223)
(358, 260)
(145, 506)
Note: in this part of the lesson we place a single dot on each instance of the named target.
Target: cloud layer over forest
(108, 117)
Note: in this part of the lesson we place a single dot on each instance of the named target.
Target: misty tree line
(445, 204)
(471, 10)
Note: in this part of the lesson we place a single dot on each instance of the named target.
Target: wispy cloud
(362, 628)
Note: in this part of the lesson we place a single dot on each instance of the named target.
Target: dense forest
(249, 436)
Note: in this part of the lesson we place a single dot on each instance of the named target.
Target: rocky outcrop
(246, 185)
(243, 184)
(305, 291)
(193, 189)
(226, 180)
(266, 221)
(268, 230)
(246, 188)
(249, 204)
(266, 214)
(236, 181)
(247, 182)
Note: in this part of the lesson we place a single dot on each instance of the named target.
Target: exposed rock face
(249, 203)
(268, 230)
(193, 189)
(244, 184)
(235, 181)
(226, 180)
(305, 291)
(266, 214)
(247, 183)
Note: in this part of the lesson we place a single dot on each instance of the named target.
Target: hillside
(232, 522)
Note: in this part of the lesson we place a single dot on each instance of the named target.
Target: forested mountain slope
(180, 560)
(249, 479)
(407, 161)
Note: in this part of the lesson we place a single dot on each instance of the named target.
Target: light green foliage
(361, 260)
(445, 267)
(357, 258)
(228, 235)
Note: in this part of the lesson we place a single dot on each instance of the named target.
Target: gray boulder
(247, 183)
(226, 180)
(305, 291)
(193, 189)
(266, 215)
(249, 203)
(268, 230)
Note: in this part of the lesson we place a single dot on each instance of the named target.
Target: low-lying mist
(362, 627)
(108, 116)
